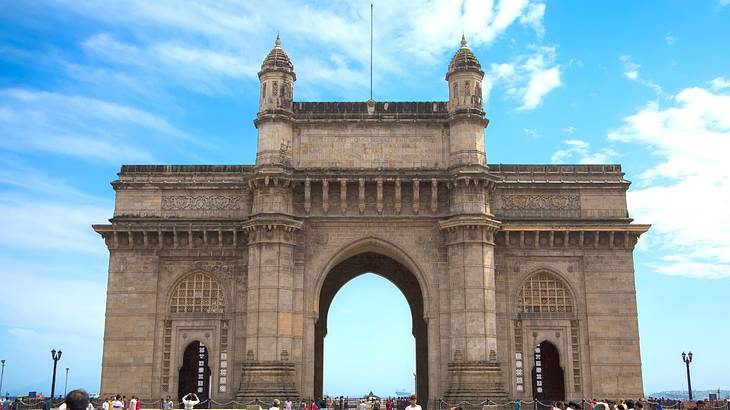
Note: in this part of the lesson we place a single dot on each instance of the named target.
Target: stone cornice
(272, 222)
(469, 221)
(584, 236)
(171, 235)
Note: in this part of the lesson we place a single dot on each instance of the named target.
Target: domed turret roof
(277, 60)
(464, 60)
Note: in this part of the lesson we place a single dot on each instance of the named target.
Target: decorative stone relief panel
(538, 205)
(184, 204)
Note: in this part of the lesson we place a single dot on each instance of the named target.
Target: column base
(267, 381)
(475, 382)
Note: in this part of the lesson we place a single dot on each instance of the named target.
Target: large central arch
(373, 261)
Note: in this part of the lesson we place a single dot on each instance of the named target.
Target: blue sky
(87, 86)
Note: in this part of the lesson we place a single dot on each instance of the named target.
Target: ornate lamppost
(687, 359)
(56, 356)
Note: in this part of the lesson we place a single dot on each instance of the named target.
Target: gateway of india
(519, 278)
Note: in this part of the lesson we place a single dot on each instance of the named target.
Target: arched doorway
(401, 277)
(548, 381)
(195, 372)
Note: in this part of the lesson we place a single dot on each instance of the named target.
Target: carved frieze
(202, 202)
(565, 202)
(540, 205)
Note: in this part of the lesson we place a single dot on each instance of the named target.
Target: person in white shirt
(190, 400)
(275, 405)
(287, 404)
(117, 404)
(363, 405)
(413, 405)
(133, 403)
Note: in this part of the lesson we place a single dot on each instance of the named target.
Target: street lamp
(65, 385)
(2, 373)
(56, 356)
(687, 359)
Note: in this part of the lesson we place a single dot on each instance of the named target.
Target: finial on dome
(463, 41)
(277, 43)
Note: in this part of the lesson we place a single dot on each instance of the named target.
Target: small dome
(464, 60)
(277, 60)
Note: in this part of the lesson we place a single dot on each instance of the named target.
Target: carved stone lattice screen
(544, 293)
(199, 292)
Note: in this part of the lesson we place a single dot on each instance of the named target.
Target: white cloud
(202, 45)
(719, 83)
(534, 18)
(670, 39)
(86, 128)
(529, 78)
(32, 223)
(568, 130)
(631, 71)
(576, 150)
(686, 195)
(532, 133)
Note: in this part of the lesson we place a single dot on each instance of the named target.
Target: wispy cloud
(83, 127)
(719, 83)
(529, 78)
(201, 46)
(575, 150)
(685, 195)
(631, 71)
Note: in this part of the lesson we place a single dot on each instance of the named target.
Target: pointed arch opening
(194, 375)
(404, 279)
(548, 378)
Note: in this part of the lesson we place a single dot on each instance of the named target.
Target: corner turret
(466, 111)
(275, 108)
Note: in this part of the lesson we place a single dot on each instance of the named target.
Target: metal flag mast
(371, 51)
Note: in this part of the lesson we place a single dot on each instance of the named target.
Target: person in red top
(139, 404)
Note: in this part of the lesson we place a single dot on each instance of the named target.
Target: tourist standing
(133, 403)
(287, 404)
(117, 404)
(77, 400)
(190, 400)
(412, 403)
(275, 405)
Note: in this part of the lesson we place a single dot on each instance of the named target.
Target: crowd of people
(344, 403)
(77, 398)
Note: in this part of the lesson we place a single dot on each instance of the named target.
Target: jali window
(544, 293)
(199, 292)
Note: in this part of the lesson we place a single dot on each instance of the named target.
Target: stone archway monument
(401, 189)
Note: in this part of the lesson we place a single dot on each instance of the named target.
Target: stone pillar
(474, 373)
(131, 298)
(269, 368)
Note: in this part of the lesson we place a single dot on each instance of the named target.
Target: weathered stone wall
(366, 145)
